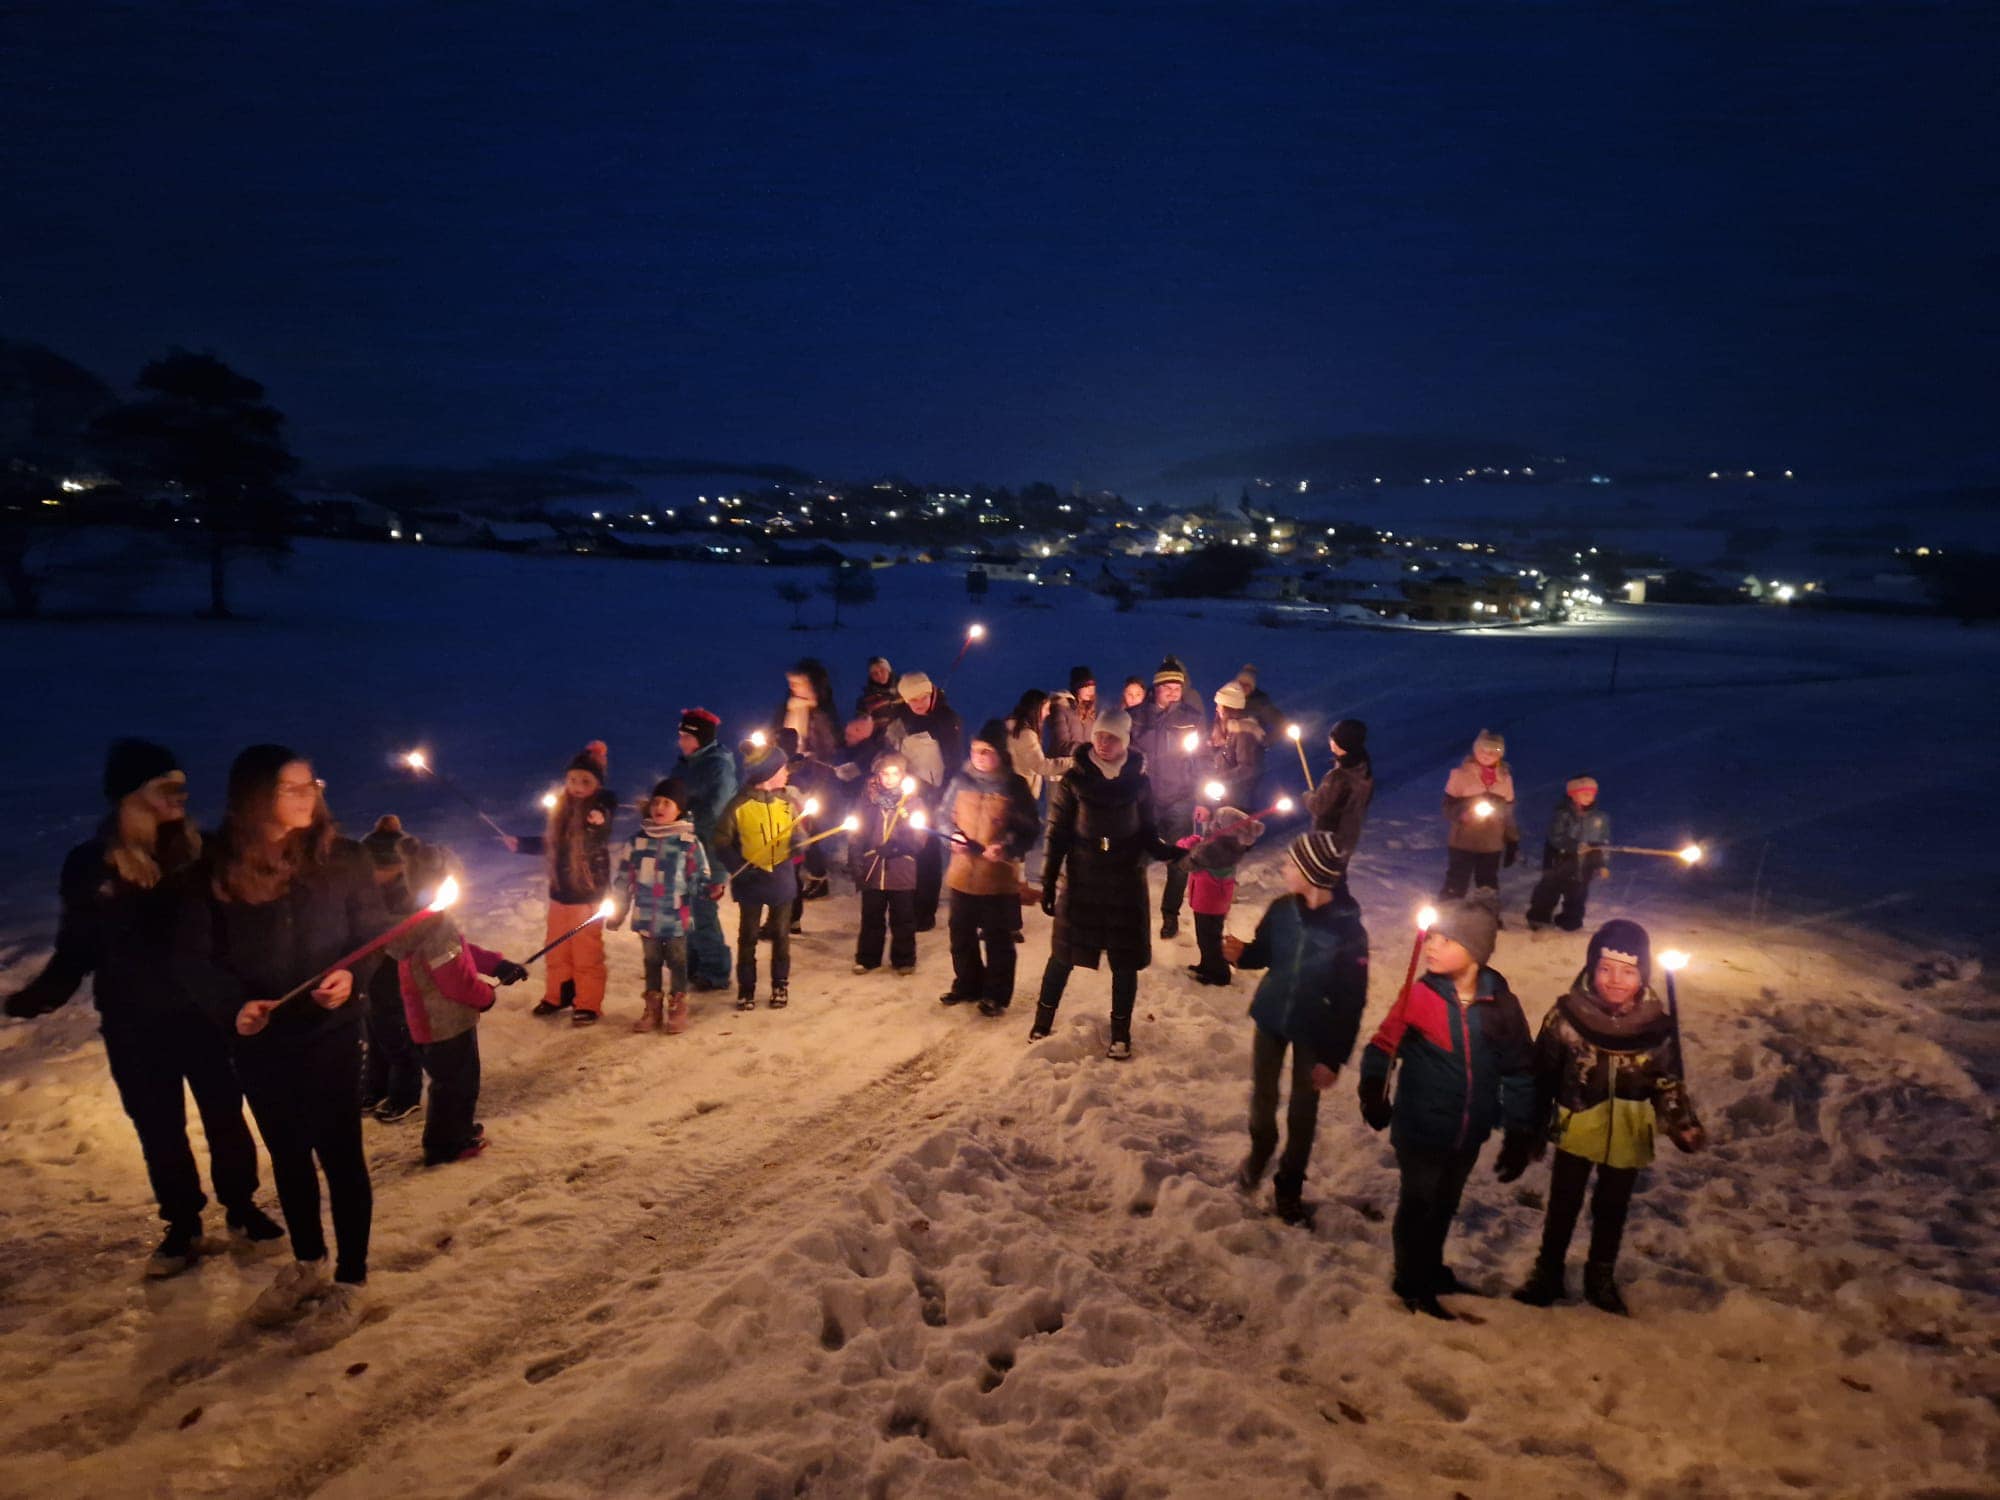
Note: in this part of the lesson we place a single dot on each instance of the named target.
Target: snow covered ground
(870, 1246)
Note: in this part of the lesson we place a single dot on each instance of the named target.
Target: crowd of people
(1065, 803)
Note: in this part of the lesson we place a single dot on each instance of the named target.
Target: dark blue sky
(1007, 241)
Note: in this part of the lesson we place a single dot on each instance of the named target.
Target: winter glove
(1375, 1106)
(1518, 1149)
(1691, 1139)
(717, 891)
(509, 972)
(1049, 898)
(1513, 853)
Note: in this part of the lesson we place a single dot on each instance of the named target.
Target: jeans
(1609, 1205)
(151, 1057)
(891, 914)
(982, 946)
(454, 1072)
(302, 1094)
(1267, 1064)
(664, 953)
(1433, 1179)
(749, 919)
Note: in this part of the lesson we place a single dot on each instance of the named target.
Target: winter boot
(1045, 1022)
(677, 1013)
(781, 996)
(582, 1017)
(1291, 1208)
(953, 997)
(1170, 924)
(993, 1009)
(337, 1314)
(548, 1007)
(1120, 1049)
(249, 1222)
(1245, 1180)
(1428, 1304)
(179, 1249)
(1600, 1288)
(295, 1284)
(651, 1020)
(746, 1001)
(1544, 1286)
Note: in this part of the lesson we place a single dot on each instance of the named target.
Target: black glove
(1375, 1106)
(1518, 1149)
(1049, 898)
(509, 972)
(1513, 853)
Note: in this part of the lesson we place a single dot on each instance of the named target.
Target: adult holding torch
(1608, 1071)
(989, 814)
(279, 895)
(1479, 809)
(1170, 735)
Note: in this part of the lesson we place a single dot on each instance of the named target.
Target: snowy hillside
(870, 1246)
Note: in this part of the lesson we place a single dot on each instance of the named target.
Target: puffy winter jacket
(658, 875)
(882, 852)
(1465, 789)
(1237, 758)
(438, 971)
(121, 933)
(1211, 865)
(1575, 831)
(1316, 984)
(710, 778)
(1159, 734)
(1069, 725)
(1603, 1076)
(756, 832)
(1466, 1067)
(1101, 833)
(1339, 804)
(996, 809)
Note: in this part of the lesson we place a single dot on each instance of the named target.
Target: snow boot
(1120, 1049)
(1292, 1209)
(337, 1314)
(993, 1009)
(1045, 1022)
(1600, 1288)
(295, 1284)
(781, 996)
(677, 1013)
(1245, 1183)
(394, 1112)
(1544, 1286)
(1170, 924)
(746, 1002)
(547, 1007)
(651, 1020)
(179, 1249)
(861, 968)
(953, 997)
(249, 1222)
(1423, 1300)
(582, 1017)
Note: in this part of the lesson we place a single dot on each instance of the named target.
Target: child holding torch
(882, 856)
(989, 815)
(755, 834)
(577, 847)
(1573, 855)
(1220, 842)
(1607, 1070)
(1479, 807)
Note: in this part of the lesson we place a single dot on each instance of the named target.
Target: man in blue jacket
(1314, 952)
(1467, 1067)
(708, 771)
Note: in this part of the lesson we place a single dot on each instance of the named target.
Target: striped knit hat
(1580, 784)
(1171, 670)
(1319, 859)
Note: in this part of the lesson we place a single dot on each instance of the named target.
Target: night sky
(1004, 242)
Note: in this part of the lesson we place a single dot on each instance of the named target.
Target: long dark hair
(814, 671)
(248, 865)
(1027, 713)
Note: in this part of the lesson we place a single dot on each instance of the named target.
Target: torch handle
(466, 797)
(1410, 974)
(549, 947)
(348, 960)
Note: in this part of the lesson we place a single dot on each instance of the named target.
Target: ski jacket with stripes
(1466, 1067)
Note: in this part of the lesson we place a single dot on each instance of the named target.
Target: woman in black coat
(117, 925)
(1100, 835)
(277, 897)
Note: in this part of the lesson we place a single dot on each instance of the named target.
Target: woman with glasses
(277, 897)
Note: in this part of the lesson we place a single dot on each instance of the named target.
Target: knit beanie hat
(913, 686)
(1474, 924)
(1229, 695)
(1236, 824)
(1622, 938)
(1247, 672)
(592, 758)
(761, 762)
(1080, 677)
(1580, 784)
(674, 790)
(1170, 670)
(1319, 859)
(1488, 740)
(386, 843)
(1115, 722)
(130, 764)
(700, 723)
(1349, 736)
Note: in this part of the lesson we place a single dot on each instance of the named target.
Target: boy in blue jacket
(1467, 1066)
(1573, 855)
(1314, 951)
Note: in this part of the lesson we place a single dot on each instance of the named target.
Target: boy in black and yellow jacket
(754, 838)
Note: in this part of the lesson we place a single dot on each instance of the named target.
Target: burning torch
(973, 633)
(1292, 733)
(447, 894)
(417, 761)
(606, 909)
(1426, 919)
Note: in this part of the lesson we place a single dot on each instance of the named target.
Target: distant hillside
(514, 484)
(1362, 458)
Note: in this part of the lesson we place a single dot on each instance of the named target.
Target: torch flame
(1190, 742)
(811, 809)
(1291, 731)
(1673, 960)
(447, 894)
(1691, 855)
(1213, 791)
(1482, 808)
(549, 800)
(850, 823)
(606, 909)
(1284, 804)
(910, 785)
(1427, 918)
(975, 633)
(415, 761)
(917, 819)
(759, 738)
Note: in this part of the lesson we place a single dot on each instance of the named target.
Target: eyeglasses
(301, 788)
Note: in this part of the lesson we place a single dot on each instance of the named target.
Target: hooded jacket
(1603, 1077)
(438, 972)
(989, 809)
(1339, 804)
(1466, 1067)
(882, 852)
(1315, 984)
(1578, 833)
(710, 778)
(659, 873)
